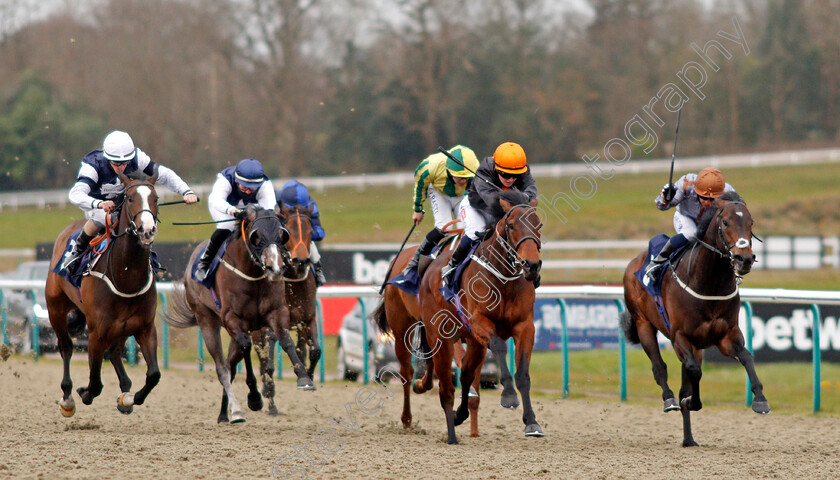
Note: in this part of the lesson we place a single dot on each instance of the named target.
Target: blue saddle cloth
(210, 279)
(410, 282)
(655, 289)
(75, 277)
(449, 291)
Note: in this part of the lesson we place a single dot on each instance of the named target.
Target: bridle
(131, 228)
(271, 234)
(511, 253)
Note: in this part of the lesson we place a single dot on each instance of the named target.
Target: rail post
(817, 355)
(622, 355)
(36, 331)
(562, 304)
(748, 314)
(164, 329)
(365, 346)
(320, 320)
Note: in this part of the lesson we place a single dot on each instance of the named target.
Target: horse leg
(733, 346)
(471, 361)
(243, 341)
(443, 368)
(66, 405)
(312, 341)
(647, 337)
(407, 372)
(304, 382)
(213, 342)
(523, 334)
(475, 398)
(685, 398)
(691, 359)
(115, 357)
(96, 352)
(279, 322)
(148, 347)
(264, 345)
(499, 349)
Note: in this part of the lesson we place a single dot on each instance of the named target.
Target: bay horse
(399, 314)
(497, 297)
(118, 298)
(251, 296)
(300, 297)
(702, 302)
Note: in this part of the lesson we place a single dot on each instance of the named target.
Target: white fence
(399, 179)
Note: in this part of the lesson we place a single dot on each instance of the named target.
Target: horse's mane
(514, 197)
(138, 175)
(709, 214)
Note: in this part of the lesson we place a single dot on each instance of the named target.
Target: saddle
(411, 283)
(654, 289)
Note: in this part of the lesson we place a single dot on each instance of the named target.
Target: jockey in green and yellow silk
(444, 181)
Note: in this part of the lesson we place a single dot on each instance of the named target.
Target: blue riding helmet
(294, 193)
(250, 174)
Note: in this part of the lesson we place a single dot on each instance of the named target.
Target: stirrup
(653, 270)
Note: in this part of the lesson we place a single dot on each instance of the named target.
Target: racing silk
(225, 195)
(295, 193)
(98, 182)
(432, 170)
(485, 198)
(686, 199)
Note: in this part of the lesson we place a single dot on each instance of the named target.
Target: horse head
(264, 236)
(140, 206)
(298, 222)
(731, 231)
(520, 230)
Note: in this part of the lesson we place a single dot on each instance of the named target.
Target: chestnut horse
(497, 297)
(118, 298)
(399, 314)
(251, 293)
(701, 299)
(300, 297)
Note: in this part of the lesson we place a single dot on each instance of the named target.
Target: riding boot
(656, 264)
(206, 259)
(425, 248)
(76, 254)
(320, 279)
(458, 256)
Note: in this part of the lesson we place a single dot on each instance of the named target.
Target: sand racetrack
(175, 435)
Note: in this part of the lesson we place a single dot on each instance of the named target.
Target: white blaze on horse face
(742, 243)
(146, 220)
(271, 258)
(740, 214)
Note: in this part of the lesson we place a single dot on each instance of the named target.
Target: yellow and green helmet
(464, 155)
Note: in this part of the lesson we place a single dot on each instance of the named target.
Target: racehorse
(497, 297)
(250, 295)
(300, 297)
(701, 301)
(118, 298)
(399, 314)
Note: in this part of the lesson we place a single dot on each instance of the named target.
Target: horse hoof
(473, 393)
(84, 395)
(417, 387)
(237, 417)
(762, 408)
(272, 411)
(671, 404)
(511, 403)
(68, 408)
(461, 417)
(305, 384)
(534, 430)
(452, 441)
(255, 402)
(125, 399)
(690, 443)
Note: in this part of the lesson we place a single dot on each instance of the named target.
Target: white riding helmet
(118, 147)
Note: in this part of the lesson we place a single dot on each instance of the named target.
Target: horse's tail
(380, 318)
(179, 313)
(629, 327)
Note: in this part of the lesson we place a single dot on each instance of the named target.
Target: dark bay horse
(118, 299)
(702, 302)
(496, 298)
(300, 297)
(252, 295)
(399, 314)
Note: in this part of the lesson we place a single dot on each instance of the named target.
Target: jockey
(98, 185)
(692, 194)
(295, 193)
(507, 169)
(445, 182)
(235, 188)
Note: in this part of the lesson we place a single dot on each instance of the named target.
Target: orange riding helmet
(709, 183)
(510, 158)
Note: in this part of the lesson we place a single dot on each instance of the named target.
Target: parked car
(22, 312)
(381, 348)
